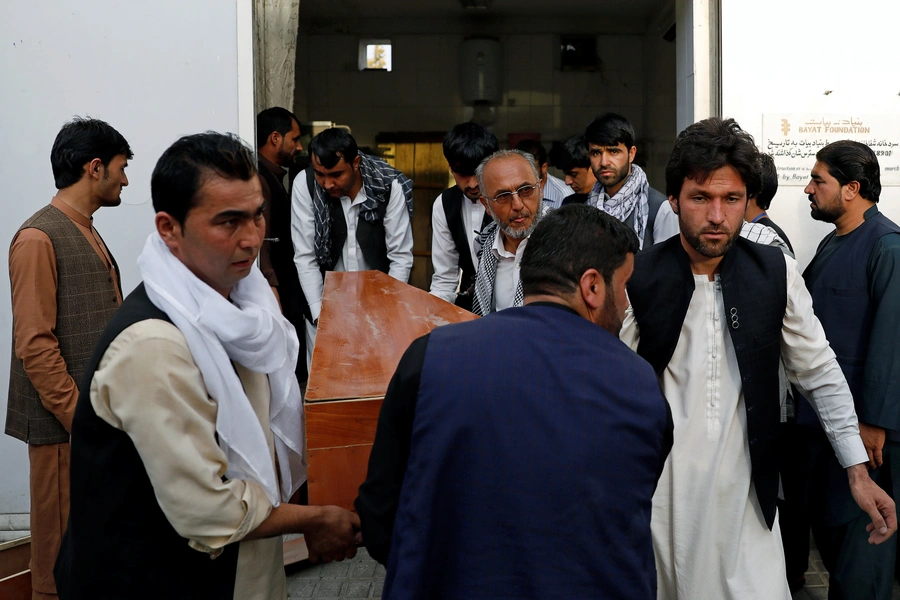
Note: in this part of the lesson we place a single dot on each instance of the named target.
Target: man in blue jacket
(516, 455)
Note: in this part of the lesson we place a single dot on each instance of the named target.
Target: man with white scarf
(511, 191)
(188, 433)
(622, 189)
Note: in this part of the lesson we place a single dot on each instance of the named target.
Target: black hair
(80, 141)
(273, 119)
(182, 168)
(574, 154)
(707, 146)
(768, 181)
(466, 145)
(610, 129)
(535, 149)
(331, 145)
(849, 161)
(569, 241)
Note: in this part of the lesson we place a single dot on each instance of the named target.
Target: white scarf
(250, 331)
(632, 197)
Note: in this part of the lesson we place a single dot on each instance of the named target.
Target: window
(375, 55)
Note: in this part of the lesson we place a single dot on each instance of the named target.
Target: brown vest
(85, 302)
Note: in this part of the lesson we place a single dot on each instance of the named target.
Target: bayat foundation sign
(794, 139)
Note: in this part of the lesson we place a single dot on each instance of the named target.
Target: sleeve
(629, 334)
(265, 250)
(148, 386)
(379, 495)
(666, 223)
(303, 235)
(33, 283)
(880, 402)
(444, 255)
(812, 367)
(398, 235)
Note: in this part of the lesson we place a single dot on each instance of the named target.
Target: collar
(500, 250)
(272, 167)
(73, 214)
(870, 212)
(555, 305)
(762, 215)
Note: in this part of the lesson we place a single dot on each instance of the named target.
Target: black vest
(452, 201)
(118, 543)
(754, 289)
(281, 252)
(841, 301)
(369, 234)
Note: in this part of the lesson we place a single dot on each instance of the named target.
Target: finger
(871, 459)
(358, 538)
(354, 520)
(878, 457)
(879, 531)
(351, 552)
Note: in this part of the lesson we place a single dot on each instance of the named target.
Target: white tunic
(709, 534)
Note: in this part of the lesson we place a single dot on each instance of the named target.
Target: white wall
(155, 70)
(421, 93)
(781, 57)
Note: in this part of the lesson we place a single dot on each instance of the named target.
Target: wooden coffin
(368, 320)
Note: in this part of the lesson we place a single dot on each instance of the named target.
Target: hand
(333, 535)
(875, 502)
(873, 438)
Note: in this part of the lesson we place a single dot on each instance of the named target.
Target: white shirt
(555, 190)
(507, 278)
(709, 536)
(444, 253)
(666, 223)
(397, 236)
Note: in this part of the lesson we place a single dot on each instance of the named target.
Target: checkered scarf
(377, 179)
(632, 197)
(483, 296)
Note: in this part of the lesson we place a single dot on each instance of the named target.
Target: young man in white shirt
(458, 216)
(349, 212)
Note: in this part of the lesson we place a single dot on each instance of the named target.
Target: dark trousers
(792, 514)
(857, 570)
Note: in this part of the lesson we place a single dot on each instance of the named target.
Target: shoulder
(656, 252)
(656, 198)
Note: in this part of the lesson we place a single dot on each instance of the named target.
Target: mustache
(812, 199)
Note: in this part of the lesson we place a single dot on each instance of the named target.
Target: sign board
(794, 139)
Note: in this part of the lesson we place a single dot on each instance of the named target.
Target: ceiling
(452, 9)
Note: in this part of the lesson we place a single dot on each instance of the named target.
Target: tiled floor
(817, 581)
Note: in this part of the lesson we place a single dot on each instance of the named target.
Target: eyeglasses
(524, 193)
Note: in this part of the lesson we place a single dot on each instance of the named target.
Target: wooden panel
(431, 166)
(367, 322)
(14, 556)
(335, 475)
(335, 424)
(16, 587)
(295, 550)
(405, 160)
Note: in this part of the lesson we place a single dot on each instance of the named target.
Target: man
(458, 217)
(555, 190)
(622, 189)
(278, 145)
(709, 311)
(757, 207)
(187, 401)
(502, 485)
(65, 287)
(349, 212)
(854, 280)
(511, 193)
(576, 164)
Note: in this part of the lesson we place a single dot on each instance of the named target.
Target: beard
(288, 159)
(610, 319)
(518, 233)
(829, 213)
(615, 179)
(708, 249)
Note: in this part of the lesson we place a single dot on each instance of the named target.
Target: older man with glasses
(511, 194)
